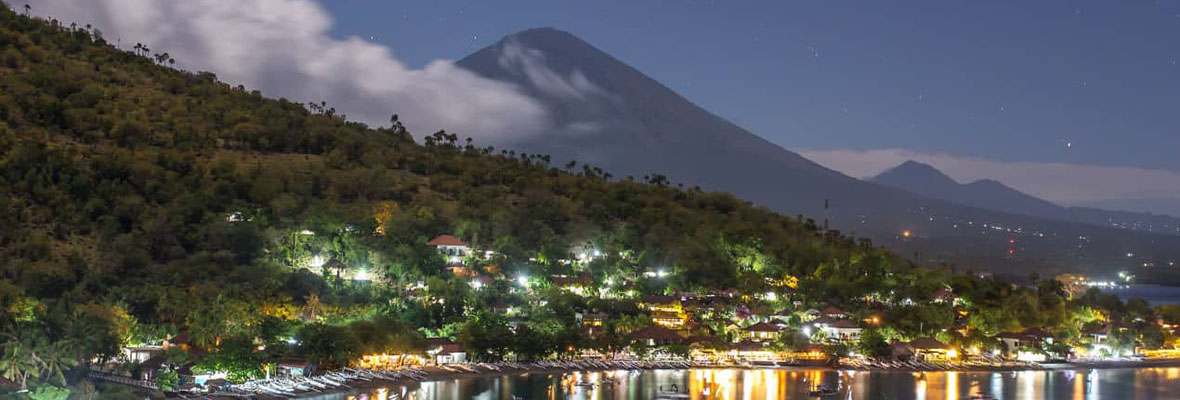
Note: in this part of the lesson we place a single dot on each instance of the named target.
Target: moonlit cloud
(283, 48)
(1067, 184)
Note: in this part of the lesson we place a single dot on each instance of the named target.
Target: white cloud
(1069, 184)
(283, 48)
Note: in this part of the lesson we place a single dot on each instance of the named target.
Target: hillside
(144, 202)
(610, 114)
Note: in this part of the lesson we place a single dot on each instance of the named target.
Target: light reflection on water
(729, 384)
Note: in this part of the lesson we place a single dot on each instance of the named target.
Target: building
(592, 323)
(656, 336)
(573, 284)
(928, 349)
(944, 296)
(445, 351)
(843, 331)
(1017, 343)
(834, 312)
(665, 311)
(450, 246)
(762, 332)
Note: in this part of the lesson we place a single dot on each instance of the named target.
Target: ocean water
(1140, 384)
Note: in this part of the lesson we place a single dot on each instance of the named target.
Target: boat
(672, 393)
(824, 390)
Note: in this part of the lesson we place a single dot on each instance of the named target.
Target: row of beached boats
(912, 365)
(330, 382)
(345, 378)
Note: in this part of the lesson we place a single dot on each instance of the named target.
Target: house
(944, 296)
(445, 351)
(751, 352)
(762, 332)
(450, 246)
(834, 312)
(666, 311)
(929, 349)
(592, 323)
(500, 307)
(1029, 338)
(656, 336)
(843, 331)
(811, 314)
(573, 284)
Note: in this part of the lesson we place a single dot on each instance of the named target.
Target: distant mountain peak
(913, 173)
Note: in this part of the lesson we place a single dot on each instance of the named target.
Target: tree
(873, 344)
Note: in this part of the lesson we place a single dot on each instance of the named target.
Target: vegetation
(143, 203)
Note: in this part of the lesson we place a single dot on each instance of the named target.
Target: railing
(123, 380)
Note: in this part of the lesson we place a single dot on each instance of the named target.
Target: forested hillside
(144, 201)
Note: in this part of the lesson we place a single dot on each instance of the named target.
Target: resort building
(656, 336)
(592, 323)
(450, 246)
(445, 351)
(1018, 344)
(843, 331)
(665, 311)
(928, 349)
(762, 332)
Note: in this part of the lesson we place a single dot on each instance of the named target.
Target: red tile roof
(927, 344)
(844, 324)
(763, 327)
(445, 240)
(832, 310)
(655, 333)
(824, 320)
(451, 349)
(659, 299)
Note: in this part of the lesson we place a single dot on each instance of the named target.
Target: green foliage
(167, 380)
(873, 344)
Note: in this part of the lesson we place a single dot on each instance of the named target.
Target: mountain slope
(988, 194)
(925, 180)
(609, 114)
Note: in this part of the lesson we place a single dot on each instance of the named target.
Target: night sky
(1005, 80)
(1072, 101)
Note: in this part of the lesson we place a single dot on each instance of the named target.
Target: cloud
(532, 63)
(283, 48)
(1068, 184)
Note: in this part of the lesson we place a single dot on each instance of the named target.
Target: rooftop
(446, 240)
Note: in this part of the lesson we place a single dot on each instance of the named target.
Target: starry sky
(1092, 82)
(1074, 101)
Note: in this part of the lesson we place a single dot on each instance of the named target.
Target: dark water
(1139, 384)
(1154, 294)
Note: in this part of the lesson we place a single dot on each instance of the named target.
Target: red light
(1011, 241)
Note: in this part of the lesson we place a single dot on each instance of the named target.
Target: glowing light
(661, 273)
(906, 233)
(361, 275)
(316, 261)
(306, 232)
(476, 284)
(771, 296)
(523, 280)
(807, 331)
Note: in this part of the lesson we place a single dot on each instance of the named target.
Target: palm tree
(27, 353)
(313, 308)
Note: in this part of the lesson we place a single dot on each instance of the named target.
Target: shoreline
(437, 374)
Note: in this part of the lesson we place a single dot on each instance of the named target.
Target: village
(651, 323)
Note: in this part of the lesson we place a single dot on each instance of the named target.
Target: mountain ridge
(926, 180)
(608, 113)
